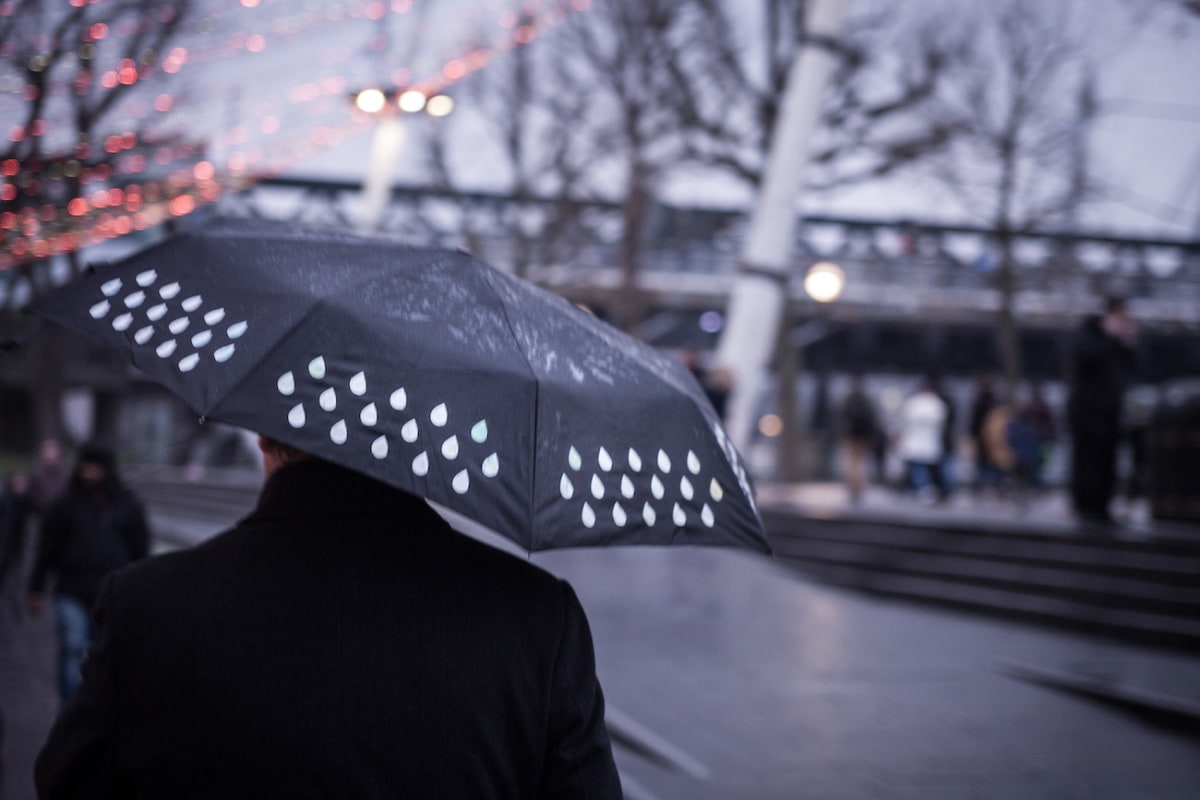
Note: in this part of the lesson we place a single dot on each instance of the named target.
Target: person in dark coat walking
(341, 641)
(1102, 363)
(95, 527)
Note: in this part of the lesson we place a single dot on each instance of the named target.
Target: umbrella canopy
(431, 371)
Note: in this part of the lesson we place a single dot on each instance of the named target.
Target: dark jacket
(1102, 367)
(341, 641)
(84, 538)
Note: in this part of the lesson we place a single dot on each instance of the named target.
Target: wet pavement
(758, 684)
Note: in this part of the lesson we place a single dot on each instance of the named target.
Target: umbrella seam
(254, 368)
(537, 399)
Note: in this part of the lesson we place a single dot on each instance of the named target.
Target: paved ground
(764, 685)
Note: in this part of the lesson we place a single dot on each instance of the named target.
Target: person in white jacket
(919, 427)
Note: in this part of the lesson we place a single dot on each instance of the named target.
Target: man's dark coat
(342, 641)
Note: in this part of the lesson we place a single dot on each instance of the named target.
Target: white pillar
(756, 303)
(386, 142)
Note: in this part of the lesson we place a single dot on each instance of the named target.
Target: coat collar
(317, 487)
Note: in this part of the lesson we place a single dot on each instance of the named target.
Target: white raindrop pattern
(166, 319)
(629, 488)
(426, 438)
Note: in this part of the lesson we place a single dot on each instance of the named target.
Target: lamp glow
(439, 105)
(824, 281)
(370, 100)
(411, 101)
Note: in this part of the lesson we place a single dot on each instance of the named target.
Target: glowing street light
(411, 101)
(371, 101)
(824, 281)
(439, 105)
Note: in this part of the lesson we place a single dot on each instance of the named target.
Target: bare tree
(76, 61)
(1022, 103)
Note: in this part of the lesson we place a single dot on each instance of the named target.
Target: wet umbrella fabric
(431, 371)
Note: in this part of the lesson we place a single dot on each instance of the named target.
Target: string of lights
(152, 173)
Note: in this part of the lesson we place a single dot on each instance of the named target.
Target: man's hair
(1115, 305)
(285, 453)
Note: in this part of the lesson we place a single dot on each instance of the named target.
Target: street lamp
(823, 282)
(388, 106)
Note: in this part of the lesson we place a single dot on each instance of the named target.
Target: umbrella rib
(537, 399)
(253, 368)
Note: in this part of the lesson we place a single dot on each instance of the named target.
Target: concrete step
(1147, 590)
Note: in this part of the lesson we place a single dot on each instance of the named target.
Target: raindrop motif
(358, 384)
(146, 278)
(316, 367)
(99, 310)
(450, 448)
(420, 464)
(656, 488)
(606, 462)
(236, 330)
(635, 461)
(693, 463)
(706, 516)
(678, 517)
(223, 354)
(296, 416)
(491, 465)
(649, 516)
(155, 313)
(588, 517)
(286, 383)
(202, 338)
(165, 349)
(178, 326)
(626, 487)
(214, 316)
(136, 299)
(685, 488)
(338, 432)
(192, 303)
(664, 463)
(409, 431)
(111, 287)
(574, 459)
(619, 516)
(122, 322)
(143, 335)
(169, 291)
(566, 488)
(369, 415)
(479, 432)
(379, 447)
(597, 487)
(715, 491)
(439, 415)
(399, 399)
(461, 482)
(188, 363)
(328, 399)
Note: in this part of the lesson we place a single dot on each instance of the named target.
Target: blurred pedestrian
(943, 475)
(920, 430)
(96, 526)
(1102, 364)
(50, 475)
(1035, 434)
(859, 425)
(343, 641)
(15, 505)
(988, 474)
(715, 382)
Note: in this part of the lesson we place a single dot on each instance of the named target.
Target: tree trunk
(1006, 322)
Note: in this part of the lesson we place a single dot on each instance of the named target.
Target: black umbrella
(431, 371)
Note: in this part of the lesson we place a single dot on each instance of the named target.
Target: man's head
(277, 454)
(50, 452)
(95, 468)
